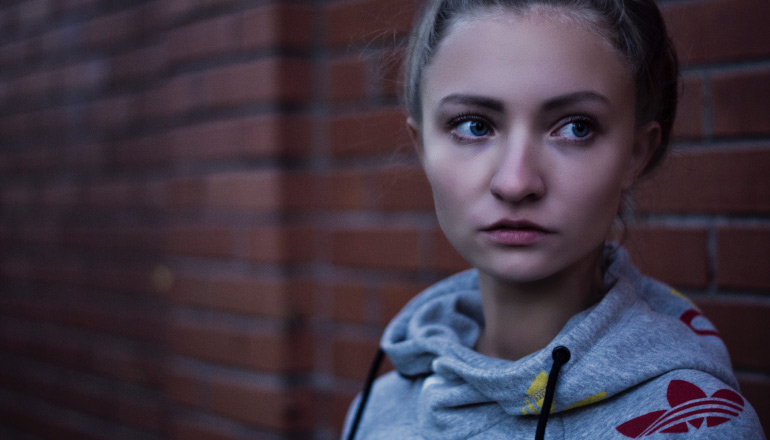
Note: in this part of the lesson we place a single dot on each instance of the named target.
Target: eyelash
(455, 122)
(582, 119)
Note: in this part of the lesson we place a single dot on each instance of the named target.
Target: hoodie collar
(613, 348)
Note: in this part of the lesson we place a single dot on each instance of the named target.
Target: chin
(520, 272)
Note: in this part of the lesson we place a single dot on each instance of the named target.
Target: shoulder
(392, 404)
(689, 402)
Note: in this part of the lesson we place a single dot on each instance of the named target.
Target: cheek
(441, 182)
(594, 192)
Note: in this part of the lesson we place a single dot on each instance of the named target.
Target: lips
(516, 232)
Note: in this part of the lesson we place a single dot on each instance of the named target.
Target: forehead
(540, 50)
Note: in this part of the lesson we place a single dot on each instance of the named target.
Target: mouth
(516, 232)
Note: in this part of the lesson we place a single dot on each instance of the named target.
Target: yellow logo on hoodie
(536, 395)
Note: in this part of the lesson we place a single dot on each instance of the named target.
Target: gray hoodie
(644, 364)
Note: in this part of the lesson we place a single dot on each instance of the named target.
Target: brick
(391, 67)
(347, 190)
(718, 30)
(18, 196)
(112, 29)
(186, 389)
(87, 156)
(67, 5)
(146, 150)
(84, 75)
(444, 257)
(34, 10)
(282, 244)
(48, 422)
(285, 136)
(38, 160)
(363, 21)
(404, 188)
(350, 303)
(718, 180)
(266, 350)
(689, 115)
(188, 428)
(376, 248)
(206, 38)
(258, 81)
(16, 126)
(34, 85)
(347, 79)
(110, 113)
(676, 256)
(91, 397)
(353, 357)
(260, 406)
(242, 138)
(112, 194)
(172, 97)
(137, 65)
(13, 52)
(107, 318)
(253, 191)
(185, 192)
(302, 191)
(396, 295)
(743, 257)
(756, 389)
(249, 295)
(288, 26)
(130, 364)
(340, 405)
(742, 326)
(210, 140)
(740, 103)
(382, 131)
(202, 241)
(56, 40)
(53, 120)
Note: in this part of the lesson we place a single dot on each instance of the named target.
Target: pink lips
(515, 232)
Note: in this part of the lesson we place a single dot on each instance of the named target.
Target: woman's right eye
(472, 128)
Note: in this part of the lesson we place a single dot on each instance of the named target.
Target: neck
(521, 318)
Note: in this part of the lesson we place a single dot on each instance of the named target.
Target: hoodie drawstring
(365, 393)
(560, 356)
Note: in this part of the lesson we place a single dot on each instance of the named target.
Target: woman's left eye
(473, 129)
(576, 130)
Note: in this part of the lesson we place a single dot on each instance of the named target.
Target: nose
(518, 173)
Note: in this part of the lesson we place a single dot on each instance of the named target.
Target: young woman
(533, 119)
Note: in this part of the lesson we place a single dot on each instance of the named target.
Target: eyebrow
(473, 100)
(552, 104)
(574, 98)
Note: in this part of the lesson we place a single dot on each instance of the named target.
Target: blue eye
(580, 129)
(575, 130)
(473, 129)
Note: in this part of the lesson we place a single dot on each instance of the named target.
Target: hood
(641, 329)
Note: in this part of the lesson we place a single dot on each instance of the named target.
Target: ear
(646, 142)
(416, 136)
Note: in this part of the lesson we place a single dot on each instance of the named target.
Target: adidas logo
(690, 408)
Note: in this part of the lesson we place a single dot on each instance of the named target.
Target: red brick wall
(209, 210)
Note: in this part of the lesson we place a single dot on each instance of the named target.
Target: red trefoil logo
(691, 408)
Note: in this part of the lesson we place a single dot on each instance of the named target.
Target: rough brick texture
(210, 210)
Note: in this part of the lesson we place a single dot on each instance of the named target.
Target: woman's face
(528, 139)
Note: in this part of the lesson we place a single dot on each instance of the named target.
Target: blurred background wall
(210, 209)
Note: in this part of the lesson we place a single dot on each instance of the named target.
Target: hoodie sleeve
(692, 404)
